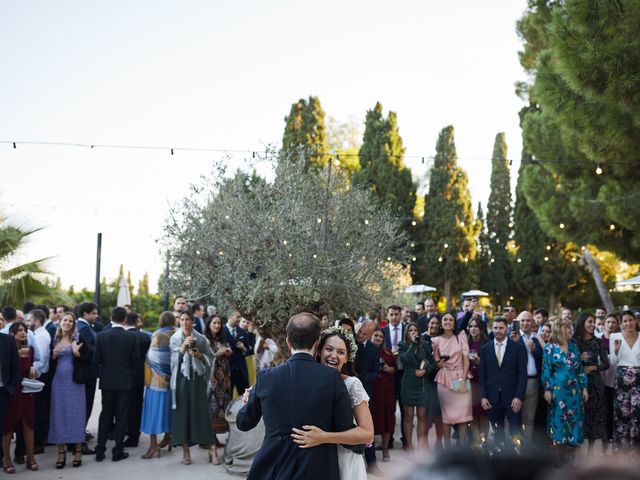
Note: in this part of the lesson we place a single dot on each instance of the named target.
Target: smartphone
(516, 327)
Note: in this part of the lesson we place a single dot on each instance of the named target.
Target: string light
(414, 259)
(413, 245)
(612, 227)
(319, 220)
(315, 256)
(414, 223)
(548, 247)
(546, 259)
(493, 260)
(519, 260)
(561, 225)
(284, 242)
(226, 217)
(366, 222)
(348, 244)
(221, 253)
(462, 224)
(440, 259)
(598, 170)
(446, 245)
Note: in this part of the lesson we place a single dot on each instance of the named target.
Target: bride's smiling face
(334, 353)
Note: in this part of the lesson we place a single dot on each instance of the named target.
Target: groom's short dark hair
(303, 330)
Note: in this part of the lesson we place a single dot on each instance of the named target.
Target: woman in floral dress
(565, 388)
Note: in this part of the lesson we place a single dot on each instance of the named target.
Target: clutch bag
(456, 384)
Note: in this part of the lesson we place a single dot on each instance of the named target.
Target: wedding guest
(625, 355)
(9, 374)
(20, 411)
(530, 340)
(347, 324)
(191, 360)
(383, 405)
(156, 409)
(238, 340)
(38, 318)
(393, 335)
(137, 386)
(565, 389)
(266, 349)
(434, 412)
(611, 325)
(418, 361)
(248, 327)
(68, 406)
(219, 392)
(451, 351)
(594, 360)
(477, 338)
(545, 333)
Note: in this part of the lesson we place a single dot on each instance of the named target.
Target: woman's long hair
(558, 334)
(483, 330)
(347, 368)
(218, 337)
(579, 331)
(13, 330)
(59, 333)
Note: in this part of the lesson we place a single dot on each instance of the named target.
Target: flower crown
(351, 341)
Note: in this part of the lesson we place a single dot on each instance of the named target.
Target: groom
(299, 392)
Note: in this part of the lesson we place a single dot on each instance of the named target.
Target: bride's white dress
(351, 464)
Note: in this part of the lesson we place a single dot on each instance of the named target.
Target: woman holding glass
(191, 361)
(477, 338)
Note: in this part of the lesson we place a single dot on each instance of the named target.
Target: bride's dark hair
(347, 368)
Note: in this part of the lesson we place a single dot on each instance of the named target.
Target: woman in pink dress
(451, 351)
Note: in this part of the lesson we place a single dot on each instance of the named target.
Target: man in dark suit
(87, 316)
(137, 387)
(197, 310)
(116, 354)
(299, 392)
(367, 367)
(393, 335)
(238, 339)
(503, 380)
(9, 373)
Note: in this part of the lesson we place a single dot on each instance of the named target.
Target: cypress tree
(499, 222)
(305, 132)
(484, 250)
(450, 237)
(382, 165)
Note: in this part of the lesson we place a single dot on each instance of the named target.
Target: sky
(223, 75)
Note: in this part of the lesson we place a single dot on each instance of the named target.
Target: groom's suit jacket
(299, 392)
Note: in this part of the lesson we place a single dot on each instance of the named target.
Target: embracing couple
(309, 404)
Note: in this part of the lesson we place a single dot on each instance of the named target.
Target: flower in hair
(351, 341)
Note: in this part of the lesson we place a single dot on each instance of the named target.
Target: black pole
(166, 284)
(96, 294)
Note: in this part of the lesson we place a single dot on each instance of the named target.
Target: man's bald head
(365, 331)
(303, 331)
(526, 321)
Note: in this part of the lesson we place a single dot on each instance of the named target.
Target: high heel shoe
(77, 458)
(10, 469)
(61, 463)
(151, 452)
(31, 464)
(186, 456)
(213, 457)
(166, 442)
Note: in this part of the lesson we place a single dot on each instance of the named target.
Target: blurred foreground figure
(467, 465)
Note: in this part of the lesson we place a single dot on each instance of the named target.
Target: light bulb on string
(561, 226)
(598, 170)
(612, 227)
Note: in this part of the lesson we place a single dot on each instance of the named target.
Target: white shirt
(500, 356)
(43, 340)
(532, 371)
(627, 356)
(117, 325)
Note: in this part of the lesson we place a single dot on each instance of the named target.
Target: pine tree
(382, 165)
(450, 237)
(143, 285)
(583, 123)
(499, 222)
(305, 132)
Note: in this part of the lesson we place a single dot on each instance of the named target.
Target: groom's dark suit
(299, 392)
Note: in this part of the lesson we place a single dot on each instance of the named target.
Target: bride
(337, 350)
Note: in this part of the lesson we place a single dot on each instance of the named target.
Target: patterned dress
(68, 416)
(219, 393)
(562, 374)
(595, 410)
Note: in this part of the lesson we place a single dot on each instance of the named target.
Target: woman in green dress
(417, 358)
(191, 360)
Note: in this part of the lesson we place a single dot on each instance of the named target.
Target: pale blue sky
(223, 74)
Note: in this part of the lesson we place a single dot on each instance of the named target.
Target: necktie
(499, 354)
(233, 332)
(395, 337)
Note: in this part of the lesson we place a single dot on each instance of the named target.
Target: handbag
(31, 385)
(456, 384)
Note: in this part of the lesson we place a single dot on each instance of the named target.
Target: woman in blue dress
(565, 389)
(68, 415)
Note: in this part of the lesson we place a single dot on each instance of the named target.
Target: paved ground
(168, 467)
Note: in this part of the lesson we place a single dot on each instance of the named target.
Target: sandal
(152, 451)
(61, 463)
(213, 456)
(31, 463)
(77, 458)
(8, 469)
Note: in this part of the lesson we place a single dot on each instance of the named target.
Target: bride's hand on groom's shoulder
(309, 436)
